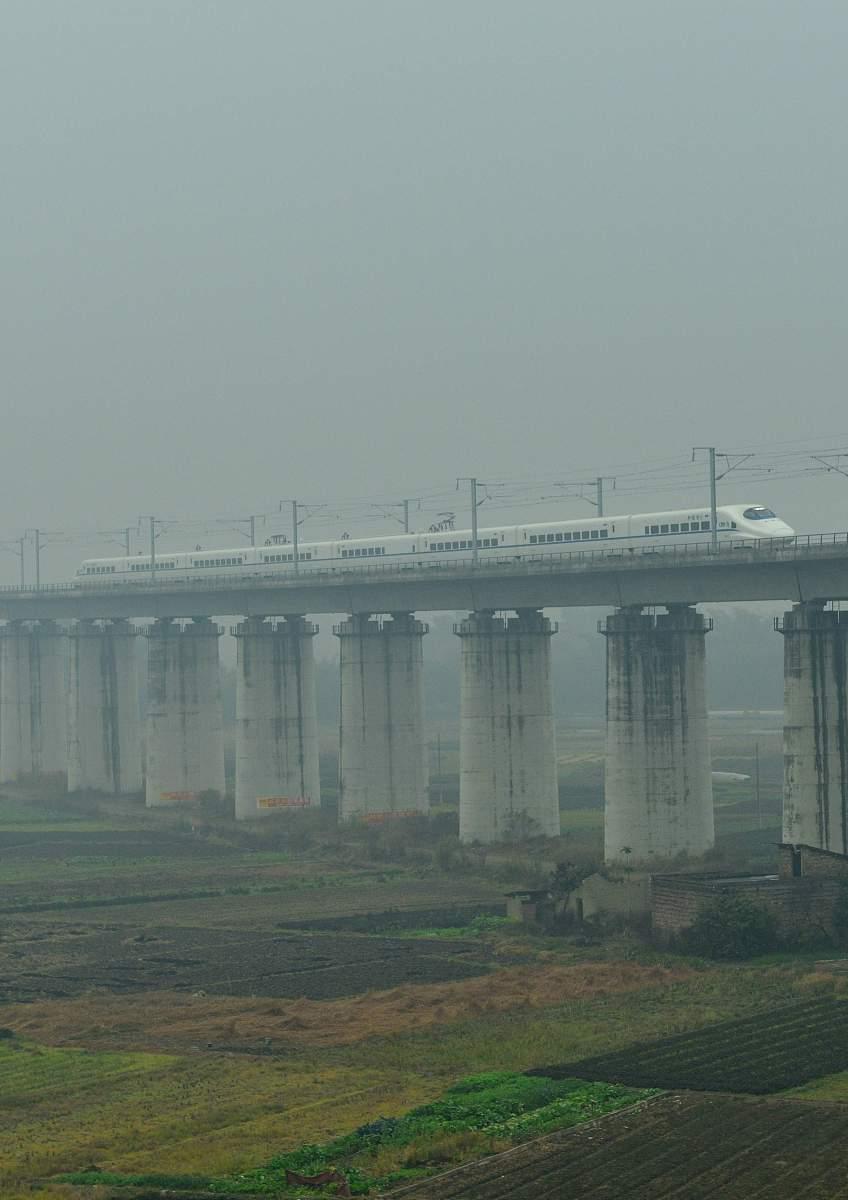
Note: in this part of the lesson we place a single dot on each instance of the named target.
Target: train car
(634, 533)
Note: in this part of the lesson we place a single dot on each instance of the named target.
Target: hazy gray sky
(259, 249)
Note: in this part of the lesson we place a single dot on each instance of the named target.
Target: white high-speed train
(641, 532)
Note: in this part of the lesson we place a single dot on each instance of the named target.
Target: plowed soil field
(689, 1147)
(766, 1053)
(61, 961)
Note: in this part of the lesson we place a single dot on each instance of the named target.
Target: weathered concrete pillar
(382, 752)
(815, 730)
(104, 726)
(185, 745)
(658, 795)
(276, 717)
(33, 728)
(507, 744)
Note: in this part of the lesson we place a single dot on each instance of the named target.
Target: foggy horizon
(336, 251)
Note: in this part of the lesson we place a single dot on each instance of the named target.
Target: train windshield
(758, 513)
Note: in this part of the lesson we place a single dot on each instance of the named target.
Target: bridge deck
(806, 568)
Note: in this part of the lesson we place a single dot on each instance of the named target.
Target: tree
(731, 926)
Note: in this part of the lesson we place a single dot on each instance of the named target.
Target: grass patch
(477, 1115)
(479, 926)
(62, 1110)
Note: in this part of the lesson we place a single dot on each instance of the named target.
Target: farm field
(68, 961)
(195, 1004)
(199, 1110)
(689, 1146)
(180, 1022)
(300, 899)
(476, 1115)
(769, 1052)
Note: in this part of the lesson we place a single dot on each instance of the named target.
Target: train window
(684, 526)
(566, 537)
(758, 513)
(732, 524)
(455, 545)
(663, 529)
(595, 534)
(559, 537)
(604, 533)
(655, 529)
(675, 528)
(308, 554)
(705, 525)
(584, 535)
(533, 539)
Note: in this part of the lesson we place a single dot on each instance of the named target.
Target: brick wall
(823, 864)
(800, 906)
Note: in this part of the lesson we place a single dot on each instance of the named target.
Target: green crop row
(478, 1114)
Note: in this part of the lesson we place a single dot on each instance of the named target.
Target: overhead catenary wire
(775, 461)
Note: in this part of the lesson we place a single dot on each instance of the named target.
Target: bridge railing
(458, 563)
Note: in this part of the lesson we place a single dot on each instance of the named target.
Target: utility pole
(127, 540)
(386, 510)
(295, 541)
(37, 536)
(19, 542)
(474, 551)
(153, 522)
(297, 520)
(711, 451)
(597, 484)
(757, 784)
(475, 504)
(731, 466)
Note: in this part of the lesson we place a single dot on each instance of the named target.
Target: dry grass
(175, 1021)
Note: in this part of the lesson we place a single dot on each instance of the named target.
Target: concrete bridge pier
(185, 744)
(104, 726)
(658, 799)
(382, 752)
(815, 731)
(507, 748)
(276, 717)
(33, 724)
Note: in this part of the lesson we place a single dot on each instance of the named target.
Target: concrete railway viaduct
(68, 696)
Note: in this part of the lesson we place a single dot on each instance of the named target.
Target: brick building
(801, 895)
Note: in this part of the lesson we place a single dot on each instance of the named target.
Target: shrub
(731, 927)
